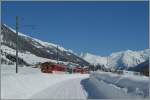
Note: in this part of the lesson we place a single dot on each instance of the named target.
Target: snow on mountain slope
(26, 56)
(37, 47)
(128, 58)
(5, 60)
(143, 68)
(123, 59)
(46, 44)
(93, 59)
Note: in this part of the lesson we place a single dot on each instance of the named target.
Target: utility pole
(17, 43)
(108, 61)
(57, 54)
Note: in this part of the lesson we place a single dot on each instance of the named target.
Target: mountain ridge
(37, 47)
(122, 59)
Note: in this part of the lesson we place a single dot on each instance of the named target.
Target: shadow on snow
(92, 91)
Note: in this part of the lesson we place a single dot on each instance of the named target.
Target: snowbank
(121, 86)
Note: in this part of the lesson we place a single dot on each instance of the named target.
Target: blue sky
(96, 27)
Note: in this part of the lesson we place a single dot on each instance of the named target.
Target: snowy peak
(93, 59)
(132, 58)
(122, 59)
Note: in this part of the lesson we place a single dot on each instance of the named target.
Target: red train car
(80, 70)
(77, 70)
(46, 67)
(58, 67)
(49, 67)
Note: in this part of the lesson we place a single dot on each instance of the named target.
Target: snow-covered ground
(30, 83)
(120, 86)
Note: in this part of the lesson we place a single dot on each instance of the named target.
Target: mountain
(142, 68)
(121, 60)
(93, 59)
(33, 50)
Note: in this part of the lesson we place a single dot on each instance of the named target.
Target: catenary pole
(17, 43)
(57, 54)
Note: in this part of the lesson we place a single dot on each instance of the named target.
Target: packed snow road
(69, 89)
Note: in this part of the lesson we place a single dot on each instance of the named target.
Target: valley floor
(30, 83)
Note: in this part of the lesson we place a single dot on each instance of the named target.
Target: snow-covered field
(30, 83)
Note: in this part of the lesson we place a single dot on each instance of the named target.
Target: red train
(49, 67)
